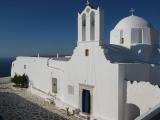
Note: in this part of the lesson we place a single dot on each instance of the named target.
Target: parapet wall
(143, 94)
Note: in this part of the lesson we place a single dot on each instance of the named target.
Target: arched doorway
(86, 101)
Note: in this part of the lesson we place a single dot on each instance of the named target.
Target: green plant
(25, 81)
(21, 81)
(14, 78)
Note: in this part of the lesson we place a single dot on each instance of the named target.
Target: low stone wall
(5, 80)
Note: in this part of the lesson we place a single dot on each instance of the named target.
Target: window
(25, 66)
(121, 37)
(54, 85)
(122, 40)
(70, 89)
(86, 52)
(140, 35)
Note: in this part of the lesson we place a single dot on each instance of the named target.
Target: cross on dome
(132, 11)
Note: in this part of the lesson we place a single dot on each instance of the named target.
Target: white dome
(133, 22)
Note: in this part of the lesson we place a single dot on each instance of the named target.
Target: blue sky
(28, 27)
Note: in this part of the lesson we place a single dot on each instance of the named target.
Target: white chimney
(57, 55)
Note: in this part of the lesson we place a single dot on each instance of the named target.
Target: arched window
(92, 26)
(121, 37)
(84, 27)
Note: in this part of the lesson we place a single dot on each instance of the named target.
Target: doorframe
(52, 91)
(90, 89)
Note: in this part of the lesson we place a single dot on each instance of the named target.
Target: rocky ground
(18, 104)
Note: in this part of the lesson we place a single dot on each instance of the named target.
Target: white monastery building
(115, 81)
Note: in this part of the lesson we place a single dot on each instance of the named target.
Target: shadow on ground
(14, 107)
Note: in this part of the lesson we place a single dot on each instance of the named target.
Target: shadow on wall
(144, 59)
(142, 53)
(143, 73)
(18, 108)
(132, 112)
(152, 114)
(136, 54)
(155, 117)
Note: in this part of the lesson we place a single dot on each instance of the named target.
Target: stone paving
(18, 104)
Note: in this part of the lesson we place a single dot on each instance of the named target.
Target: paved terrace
(18, 104)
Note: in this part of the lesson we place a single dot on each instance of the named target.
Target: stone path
(18, 104)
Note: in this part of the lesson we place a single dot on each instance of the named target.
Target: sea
(5, 66)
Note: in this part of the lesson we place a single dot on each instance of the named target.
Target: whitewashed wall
(95, 70)
(40, 72)
(144, 95)
(115, 37)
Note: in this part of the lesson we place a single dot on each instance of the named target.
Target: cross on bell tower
(87, 3)
(132, 11)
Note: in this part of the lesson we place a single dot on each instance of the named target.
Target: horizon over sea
(5, 66)
(6, 63)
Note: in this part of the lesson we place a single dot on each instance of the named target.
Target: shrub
(14, 78)
(25, 81)
(21, 81)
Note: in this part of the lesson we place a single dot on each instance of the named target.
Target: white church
(115, 81)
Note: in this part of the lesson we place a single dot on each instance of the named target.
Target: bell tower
(90, 24)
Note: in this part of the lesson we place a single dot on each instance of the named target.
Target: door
(86, 101)
(54, 85)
